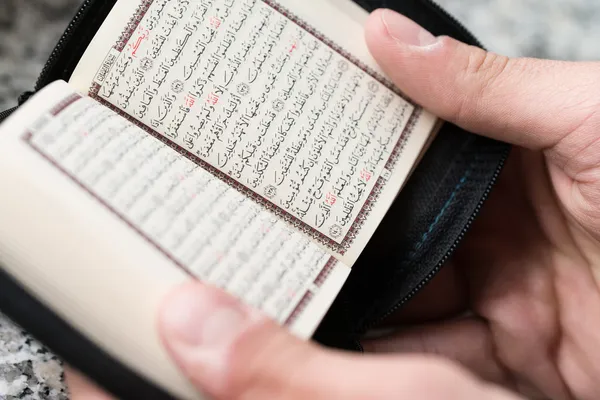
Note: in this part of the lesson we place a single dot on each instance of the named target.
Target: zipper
(57, 52)
(434, 5)
(22, 99)
(7, 113)
(446, 256)
(58, 49)
(53, 58)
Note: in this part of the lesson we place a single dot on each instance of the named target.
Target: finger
(444, 297)
(528, 102)
(80, 388)
(467, 341)
(231, 352)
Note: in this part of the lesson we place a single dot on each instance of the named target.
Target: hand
(230, 351)
(527, 272)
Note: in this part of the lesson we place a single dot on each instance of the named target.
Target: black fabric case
(420, 232)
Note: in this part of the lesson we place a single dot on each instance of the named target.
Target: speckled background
(561, 29)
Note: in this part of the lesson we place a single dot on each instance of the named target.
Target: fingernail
(201, 324)
(406, 31)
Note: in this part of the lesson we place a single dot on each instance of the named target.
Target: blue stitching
(445, 208)
(437, 219)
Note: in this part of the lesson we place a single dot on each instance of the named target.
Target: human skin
(526, 276)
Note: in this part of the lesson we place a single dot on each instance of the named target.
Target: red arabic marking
(215, 22)
(365, 175)
(213, 99)
(144, 34)
(294, 47)
(330, 198)
(190, 101)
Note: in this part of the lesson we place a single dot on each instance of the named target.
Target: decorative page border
(300, 307)
(325, 272)
(64, 104)
(27, 138)
(340, 248)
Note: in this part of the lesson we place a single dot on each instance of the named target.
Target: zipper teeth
(433, 4)
(450, 251)
(66, 35)
(7, 113)
(56, 53)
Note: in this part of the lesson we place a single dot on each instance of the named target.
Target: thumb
(527, 102)
(230, 351)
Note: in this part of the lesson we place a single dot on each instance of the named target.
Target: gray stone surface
(561, 29)
(29, 29)
(557, 29)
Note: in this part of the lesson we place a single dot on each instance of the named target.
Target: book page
(101, 216)
(270, 97)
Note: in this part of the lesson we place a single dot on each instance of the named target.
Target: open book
(251, 144)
